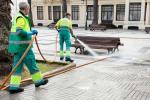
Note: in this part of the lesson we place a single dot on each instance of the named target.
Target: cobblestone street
(123, 76)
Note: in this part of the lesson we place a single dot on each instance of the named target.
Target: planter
(58, 68)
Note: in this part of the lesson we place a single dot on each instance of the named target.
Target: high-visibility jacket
(19, 41)
(64, 22)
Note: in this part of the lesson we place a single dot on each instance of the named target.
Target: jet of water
(88, 48)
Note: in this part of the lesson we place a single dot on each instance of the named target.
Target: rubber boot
(69, 59)
(16, 90)
(44, 82)
(61, 58)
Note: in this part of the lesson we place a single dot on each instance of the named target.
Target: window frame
(107, 12)
(57, 11)
(50, 12)
(75, 12)
(40, 13)
(120, 9)
(90, 12)
(136, 9)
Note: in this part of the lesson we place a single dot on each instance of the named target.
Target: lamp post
(85, 14)
(16, 5)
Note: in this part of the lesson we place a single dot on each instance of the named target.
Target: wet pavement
(123, 76)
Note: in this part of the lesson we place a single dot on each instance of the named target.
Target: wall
(82, 11)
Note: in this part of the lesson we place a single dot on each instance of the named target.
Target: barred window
(75, 12)
(107, 12)
(120, 12)
(134, 11)
(56, 13)
(49, 13)
(90, 12)
(40, 12)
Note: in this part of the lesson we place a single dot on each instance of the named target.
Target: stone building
(122, 13)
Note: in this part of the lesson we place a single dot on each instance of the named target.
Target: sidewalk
(115, 33)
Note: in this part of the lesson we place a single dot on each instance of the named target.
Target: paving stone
(124, 76)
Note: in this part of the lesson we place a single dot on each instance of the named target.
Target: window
(49, 13)
(120, 12)
(75, 12)
(40, 12)
(56, 13)
(134, 11)
(107, 12)
(90, 12)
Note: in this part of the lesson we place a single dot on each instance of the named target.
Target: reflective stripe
(15, 80)
(61, 53)
(14, 33)
(20, 42)
(64, 53)
(13, 87)
(68, 53)
(36, 77)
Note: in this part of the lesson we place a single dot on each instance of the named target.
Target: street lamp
(86, 14)
(16, 5)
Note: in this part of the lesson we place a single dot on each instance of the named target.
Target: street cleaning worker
(64, 27)
(19, 39)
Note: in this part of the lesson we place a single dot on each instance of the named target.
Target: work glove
(34, 32)
(58, 30)
(30, 33)
(74, 37)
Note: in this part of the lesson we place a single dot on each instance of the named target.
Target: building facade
(122, 13)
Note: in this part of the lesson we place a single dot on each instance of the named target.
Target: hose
(36, 41)
(25, 53)
(40, 50)
(23, 56)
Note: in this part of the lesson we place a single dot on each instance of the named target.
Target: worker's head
(68, 15)
(24, 7)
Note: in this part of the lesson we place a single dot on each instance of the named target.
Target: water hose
(36, 41)
(40, 50)
(21, 59)
(34, 38)
(19, 62)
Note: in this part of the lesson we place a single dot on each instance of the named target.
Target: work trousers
(64, 37)
(30, 63)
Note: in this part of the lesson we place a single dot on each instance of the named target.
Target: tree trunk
(5, 25)
(30, 13)
(95, 10)
(64, 7)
